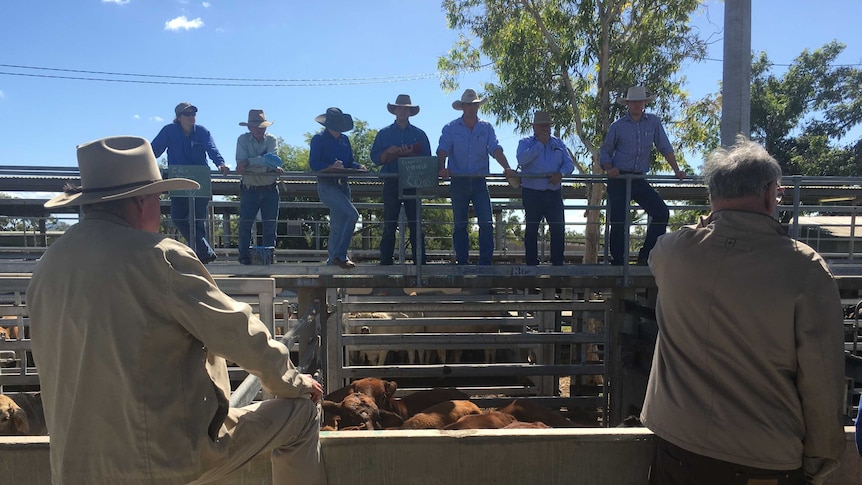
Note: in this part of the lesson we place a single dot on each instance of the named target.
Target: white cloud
(182, 22)
(206, 4)
(117, 2)
(2, 95)
(137, 117)
(156, 118)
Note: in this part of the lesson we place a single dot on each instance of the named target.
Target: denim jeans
(342, 215)
(649, 201)
(548, 205)
(251, 201)
(180, 218)
(391, 210)
(463, 191)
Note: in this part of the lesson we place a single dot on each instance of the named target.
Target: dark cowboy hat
(334, 119)
(403, 100)
(114, 168)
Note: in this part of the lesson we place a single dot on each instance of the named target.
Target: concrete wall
(618, 456)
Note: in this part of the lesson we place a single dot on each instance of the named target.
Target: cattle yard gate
(575, 338)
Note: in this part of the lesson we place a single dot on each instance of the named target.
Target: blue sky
(357, 55)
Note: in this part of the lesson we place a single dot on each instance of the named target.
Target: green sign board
(198, 173)
(417, 172)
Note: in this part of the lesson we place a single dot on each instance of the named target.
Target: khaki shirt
(130, 336)
(256, 173)
(749, 362)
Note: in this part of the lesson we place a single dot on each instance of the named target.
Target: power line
(219, 81)
(788, 65)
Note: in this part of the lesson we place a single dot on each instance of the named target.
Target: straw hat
(117, 167)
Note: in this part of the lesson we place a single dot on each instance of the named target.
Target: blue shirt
(468, 150)
(538, 158)
(326, 149)
(186, 150)
(393, 135)
(628, 145)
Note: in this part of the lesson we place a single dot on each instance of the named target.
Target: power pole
(736, 71)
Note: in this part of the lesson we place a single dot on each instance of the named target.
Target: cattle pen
(588, 326)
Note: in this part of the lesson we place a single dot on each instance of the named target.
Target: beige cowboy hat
(636, 93)
(542, 118)
(469, 97)
(256, 118)
(403, 100)
(114, 168)
(334, 119)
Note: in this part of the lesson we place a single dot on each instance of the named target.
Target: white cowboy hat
(114, 168)
(469, 97)
(636, 93)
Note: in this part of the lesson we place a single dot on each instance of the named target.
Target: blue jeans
(252, 200)
(335, 194)
(649, 200)
(180, 218)
(463, 191)
(548, 205)
(391, 210)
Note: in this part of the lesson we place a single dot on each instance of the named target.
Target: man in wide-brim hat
(113, 303)
(400, 139)
(468, 166)
(627, 150)
(546, 155)
(258, 161)
(330, 151)
(189, 143)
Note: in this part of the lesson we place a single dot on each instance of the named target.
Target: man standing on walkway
(257, 160)
(747, 380)
(400, 139)
(188, 143)
(543, 154)
(468, 142)
(628, 150)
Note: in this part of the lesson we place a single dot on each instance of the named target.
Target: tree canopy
(573, 58)
(803, 115)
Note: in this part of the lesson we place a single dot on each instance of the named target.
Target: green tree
(574, 58)
(802, 115)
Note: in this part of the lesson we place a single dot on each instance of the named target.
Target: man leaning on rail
(747, 379)
(130, 335)
(627, 149)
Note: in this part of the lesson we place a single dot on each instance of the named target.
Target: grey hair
(115, 207)
(741, 171)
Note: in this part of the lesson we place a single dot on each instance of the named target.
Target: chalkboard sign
(417, 172)
(198, 173)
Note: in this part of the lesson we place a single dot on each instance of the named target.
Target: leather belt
(271, 186)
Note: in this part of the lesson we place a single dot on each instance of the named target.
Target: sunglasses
(188, 113)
